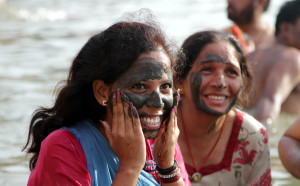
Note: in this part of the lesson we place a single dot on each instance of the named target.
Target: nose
(220, 81)
(155, 100)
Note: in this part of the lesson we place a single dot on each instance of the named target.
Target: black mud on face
(147, 69)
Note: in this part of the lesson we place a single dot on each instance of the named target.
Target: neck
(257, 25)
(198, 124)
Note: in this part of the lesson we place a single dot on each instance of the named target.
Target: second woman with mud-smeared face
(148, 85)
(215, 79)
(213, 76)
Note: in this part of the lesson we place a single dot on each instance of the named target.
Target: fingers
(125, 115)
(172, 125)
(137, 128)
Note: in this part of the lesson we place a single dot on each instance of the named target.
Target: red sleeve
(61, 162)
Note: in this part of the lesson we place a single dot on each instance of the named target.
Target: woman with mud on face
(220, 144)
(114, 119)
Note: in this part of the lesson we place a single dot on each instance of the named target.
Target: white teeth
(151, 121)
(217, 97)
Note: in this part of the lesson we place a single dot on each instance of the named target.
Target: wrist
(168, 170)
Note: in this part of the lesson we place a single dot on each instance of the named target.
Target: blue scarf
(102, 162)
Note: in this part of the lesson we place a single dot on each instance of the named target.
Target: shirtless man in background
(247, 16)
(276, 68)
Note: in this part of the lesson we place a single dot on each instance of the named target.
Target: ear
(101, 91)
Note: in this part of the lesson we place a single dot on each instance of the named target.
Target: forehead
(222, 52)
(148, 66)
(153, 57)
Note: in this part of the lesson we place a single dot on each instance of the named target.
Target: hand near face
(165, 143)
(125, 134)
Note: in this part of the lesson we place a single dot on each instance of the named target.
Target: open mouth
(151, 122)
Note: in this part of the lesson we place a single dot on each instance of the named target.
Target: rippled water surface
(38, 40)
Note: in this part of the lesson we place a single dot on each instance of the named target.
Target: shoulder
(64, 142)
(253, 130)
(61, 157)
(60, 136)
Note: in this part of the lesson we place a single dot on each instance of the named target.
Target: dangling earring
(104, 103)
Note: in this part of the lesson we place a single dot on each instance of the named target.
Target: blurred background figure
(249, 26)
(289, 149)
(277, 69)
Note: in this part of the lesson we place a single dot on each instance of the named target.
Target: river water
(39, 39)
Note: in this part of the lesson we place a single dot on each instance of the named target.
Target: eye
(233, 72)
(206, 70)
(138, 87)
(166, 86)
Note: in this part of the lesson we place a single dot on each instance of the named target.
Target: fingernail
(131, 106)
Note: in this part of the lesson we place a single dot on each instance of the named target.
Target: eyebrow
(211, 58)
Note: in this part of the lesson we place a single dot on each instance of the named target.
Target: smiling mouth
(216, 97)
(151, 122)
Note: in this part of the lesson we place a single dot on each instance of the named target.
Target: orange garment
(238, 33)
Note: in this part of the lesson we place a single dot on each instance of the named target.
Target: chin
(150, 134)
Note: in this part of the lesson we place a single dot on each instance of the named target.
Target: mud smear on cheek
(138, 100)
(196, 79)
(234, 101)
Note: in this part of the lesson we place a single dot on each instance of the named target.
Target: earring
(104, 102)
(180, 91)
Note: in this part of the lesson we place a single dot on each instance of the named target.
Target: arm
(280, 82)
(289, 149)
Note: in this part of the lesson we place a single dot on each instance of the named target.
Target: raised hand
(165, 143)
(125, 134)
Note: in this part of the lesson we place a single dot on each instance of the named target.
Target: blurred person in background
(249, 26)
(277, 69)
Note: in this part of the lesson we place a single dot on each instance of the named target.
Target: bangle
(170, 175)
(167, 171)
(171, 178)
